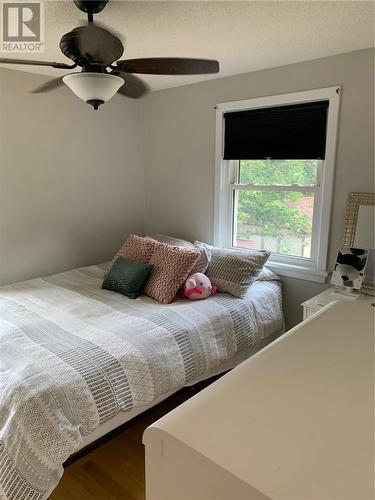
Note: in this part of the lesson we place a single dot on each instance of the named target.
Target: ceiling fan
(97, 51)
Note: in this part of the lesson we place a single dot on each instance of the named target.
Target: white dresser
(316, 303)
(293, 422)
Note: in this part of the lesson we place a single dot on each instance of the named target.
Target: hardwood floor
(115, 470)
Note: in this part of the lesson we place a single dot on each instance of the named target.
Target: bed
(77, 361)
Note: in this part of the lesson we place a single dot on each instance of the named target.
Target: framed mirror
(359, 232)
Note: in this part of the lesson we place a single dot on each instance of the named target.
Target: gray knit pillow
(234, 271)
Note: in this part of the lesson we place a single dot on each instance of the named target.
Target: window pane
(279, 172)
(278, 221)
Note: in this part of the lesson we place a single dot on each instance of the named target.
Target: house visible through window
(274, 205)
(274, 178)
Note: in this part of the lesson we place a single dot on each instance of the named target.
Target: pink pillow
(136, 249)
(170, 267)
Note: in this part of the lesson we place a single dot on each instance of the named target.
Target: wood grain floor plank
(115, 470)
(107, 482)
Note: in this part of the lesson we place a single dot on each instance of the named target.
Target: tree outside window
(275, 219)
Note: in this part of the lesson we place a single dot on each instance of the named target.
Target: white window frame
(315, 268)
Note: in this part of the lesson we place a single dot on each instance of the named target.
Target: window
(280, 205)
(274, 205)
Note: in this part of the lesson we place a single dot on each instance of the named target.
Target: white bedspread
(73, 356)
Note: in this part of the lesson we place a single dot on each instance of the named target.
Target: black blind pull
(293, 132)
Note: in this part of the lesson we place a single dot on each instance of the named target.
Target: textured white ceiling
(244, 36)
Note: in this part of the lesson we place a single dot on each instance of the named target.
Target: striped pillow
(234, 271)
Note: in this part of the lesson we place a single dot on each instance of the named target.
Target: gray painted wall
(179, 141)
(71, 179)
(72, 182)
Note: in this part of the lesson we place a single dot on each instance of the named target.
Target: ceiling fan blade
(133, 87)
(37, 63)
(169, 66)
(48, 86)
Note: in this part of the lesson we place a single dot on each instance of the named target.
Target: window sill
(299, 272)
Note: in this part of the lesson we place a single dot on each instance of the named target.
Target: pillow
(233, 271)
(267, 275)
(127, 277)
(170, 267)
(171, 240)
(136, 249)
(204, 258)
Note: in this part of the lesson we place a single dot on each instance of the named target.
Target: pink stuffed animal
(197, 286)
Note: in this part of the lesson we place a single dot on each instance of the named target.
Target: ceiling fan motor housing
(100, 47)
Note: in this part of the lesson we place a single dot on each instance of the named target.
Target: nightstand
(313, 305)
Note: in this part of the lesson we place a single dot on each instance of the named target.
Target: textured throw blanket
(73, 355)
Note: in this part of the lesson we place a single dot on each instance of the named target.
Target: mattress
(75, 357)
(125, 417)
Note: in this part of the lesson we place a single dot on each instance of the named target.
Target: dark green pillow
(127, 278)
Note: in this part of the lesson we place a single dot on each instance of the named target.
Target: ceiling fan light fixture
(97, 51)
(93, 88)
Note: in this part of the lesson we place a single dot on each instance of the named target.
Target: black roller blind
(293, 132)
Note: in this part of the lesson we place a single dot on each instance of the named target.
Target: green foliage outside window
(273, 212)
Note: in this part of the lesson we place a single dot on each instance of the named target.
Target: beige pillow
(136, 249)
(234, 271)
(171, 265)
(204, 258)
